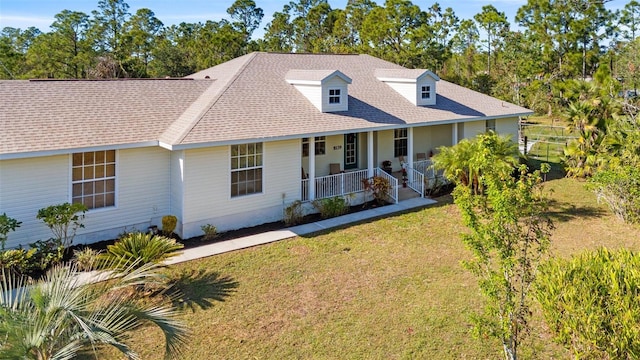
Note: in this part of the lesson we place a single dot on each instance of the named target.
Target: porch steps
(406, 193)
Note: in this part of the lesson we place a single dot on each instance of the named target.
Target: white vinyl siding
(206, 183)
(31, 184)
(331, 86)
(508, 126)
(426, 91)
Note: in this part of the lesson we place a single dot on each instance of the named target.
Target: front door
(350, 151)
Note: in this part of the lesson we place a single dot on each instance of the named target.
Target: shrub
(47, 253)
(63, 220)
(138, 249)
(379, 187)
(620, 189)
(86, 259)
(592, 303)
(17, 261)
(210, 232)
(7, 225)
(331, 207)
(169, 223)
(293, 213)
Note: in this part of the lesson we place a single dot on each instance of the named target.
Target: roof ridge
(203, 109)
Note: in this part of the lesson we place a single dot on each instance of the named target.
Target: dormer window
(334, 96)
(426, 92)
(416, 85)
(327, 90)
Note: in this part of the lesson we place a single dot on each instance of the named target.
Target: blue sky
(40, 13)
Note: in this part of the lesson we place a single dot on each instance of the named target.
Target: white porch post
(312, 168)
(410, 147)
(370, 153)
(454, 134)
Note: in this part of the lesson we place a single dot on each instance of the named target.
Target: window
(246, 169)
(93, 179)
(320, 147)
(426, 92)
(490, 125)
(400, 142)
(334, 96)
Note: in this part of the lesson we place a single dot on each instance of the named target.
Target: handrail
(415, 180)
(392, 181)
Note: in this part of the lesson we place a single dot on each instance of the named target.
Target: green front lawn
(389, 289)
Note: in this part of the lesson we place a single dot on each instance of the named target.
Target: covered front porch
(335, 171)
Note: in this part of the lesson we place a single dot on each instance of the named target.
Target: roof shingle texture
(247, 98)
(260, 104)
(51, 115)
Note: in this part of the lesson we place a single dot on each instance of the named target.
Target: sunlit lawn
(389, 289)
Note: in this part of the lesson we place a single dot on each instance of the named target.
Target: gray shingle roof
(52, 115)
(243, 99)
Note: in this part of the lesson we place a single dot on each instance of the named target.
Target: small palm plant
(59, 316)
(137, 248)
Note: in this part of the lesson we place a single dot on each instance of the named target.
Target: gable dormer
(326, 89)
(416, 85)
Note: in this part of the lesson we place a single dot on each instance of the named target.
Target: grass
(388, 289)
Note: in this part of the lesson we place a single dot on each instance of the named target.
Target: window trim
(116, 178)
(335, 96)
(239, 169)
(319, 140)
(403, 138)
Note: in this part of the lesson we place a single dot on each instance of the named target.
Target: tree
(140, 40)
(630, 19)
(14, 44)
(58, 316)
(509, 236)
(246, 16)
(495, 23)
(66, 51)
(174, 53)
(108, 29)
(466, 162)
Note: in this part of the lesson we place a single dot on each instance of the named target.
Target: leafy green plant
(7, 224)
(57, 317)
(86, 259)
(293, 213)
(17, 261)
(509, 234)
(592, 303)
(63, 220)
(169, 223)
(210, 232)
(331, 207)
(138, 249)
(379, 187)
(47, 253)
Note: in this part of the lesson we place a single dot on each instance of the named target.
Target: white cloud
(25, 21)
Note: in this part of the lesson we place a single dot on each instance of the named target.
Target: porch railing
(335, 185)
(415, 180)
(393, 193)
(431, 177)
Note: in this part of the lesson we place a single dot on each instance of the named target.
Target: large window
(321, 146)
(246, 169)
(93, 178)
(400, 142)
(334, 96)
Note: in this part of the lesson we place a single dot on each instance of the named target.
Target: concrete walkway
(301, 230)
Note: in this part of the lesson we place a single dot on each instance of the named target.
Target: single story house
(230, 146)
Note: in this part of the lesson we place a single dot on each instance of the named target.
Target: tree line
(554, 40)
